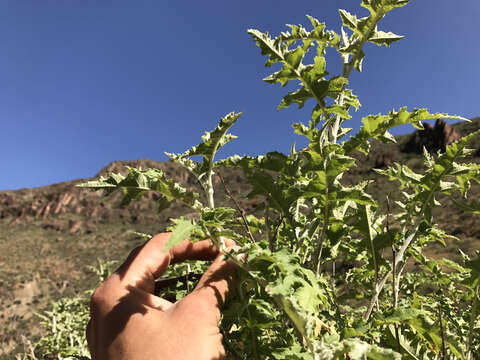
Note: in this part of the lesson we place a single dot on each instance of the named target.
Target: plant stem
(374, 299)
(240, 209)
(407, 242)
(296, 217)
(340, 101)
(473, 317)
(253, 338)
(394, 273)
(316, 256)
(267, 227)
(394, 290)
(442, 333)
(210, 190)
(347, 70)
(275, 235)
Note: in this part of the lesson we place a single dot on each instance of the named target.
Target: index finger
(148, 262)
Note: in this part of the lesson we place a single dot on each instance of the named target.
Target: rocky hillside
(65, 208)
(49, 235)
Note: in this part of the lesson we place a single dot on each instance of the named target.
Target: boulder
(433, 138)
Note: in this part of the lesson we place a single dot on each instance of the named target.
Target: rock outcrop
(433, 138)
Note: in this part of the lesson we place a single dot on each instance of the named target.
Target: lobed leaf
(138, 182)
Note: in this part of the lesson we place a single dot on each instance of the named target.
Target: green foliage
(377, 126)
(329, 274)
(181, 231)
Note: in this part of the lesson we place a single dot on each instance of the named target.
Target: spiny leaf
(444, 166)
(384, 38)
(272, 161)
(264, 184)
(212, 142)
(311, 76)
(138, 182)
(402, 174)
(269, 47)
(181, 231)
(376, 126)
(301, 95)
(382, 6)
(348, 19)
(352, 348)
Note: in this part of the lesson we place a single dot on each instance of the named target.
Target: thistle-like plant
(291, 302)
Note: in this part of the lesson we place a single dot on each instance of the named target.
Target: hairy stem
(316, 256)
(210, 191)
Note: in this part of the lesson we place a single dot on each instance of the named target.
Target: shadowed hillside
(49, 235)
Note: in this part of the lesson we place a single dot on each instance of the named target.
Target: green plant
(65, 322)
(328, 274)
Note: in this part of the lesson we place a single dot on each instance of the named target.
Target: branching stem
(401, 252)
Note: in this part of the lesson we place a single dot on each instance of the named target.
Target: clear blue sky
(83, 83)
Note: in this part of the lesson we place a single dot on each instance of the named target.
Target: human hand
(129, 322)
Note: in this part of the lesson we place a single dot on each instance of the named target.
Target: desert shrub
(64, 323)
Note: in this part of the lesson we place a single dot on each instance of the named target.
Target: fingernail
(241, 257)
(235, 248)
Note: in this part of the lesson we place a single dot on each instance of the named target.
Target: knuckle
(100, 298)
